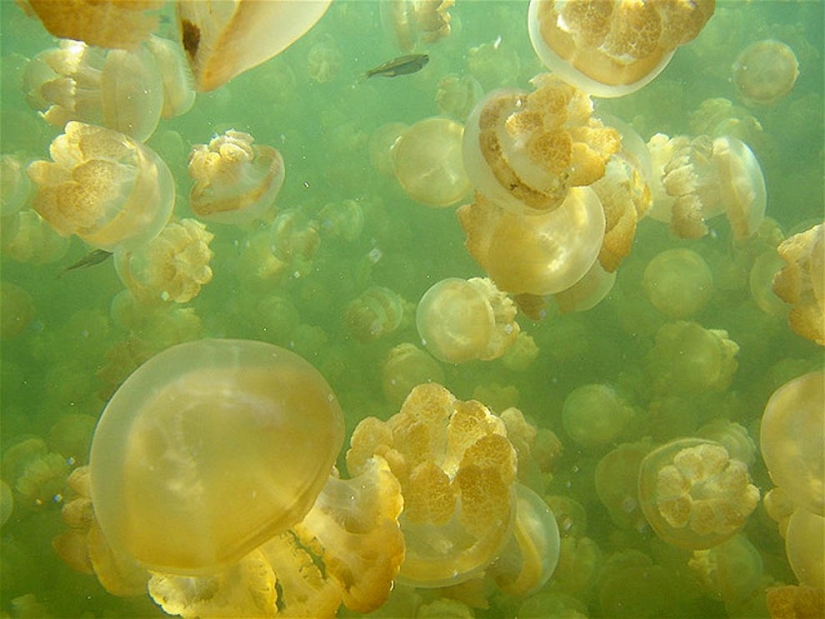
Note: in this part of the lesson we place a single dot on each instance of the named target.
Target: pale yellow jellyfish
(293, 240)
(796, 602)
(223, 41)
(610, 48)
(694, 494)
(103, 186)
(235, 181)
(801, 282)
(6, 503)
(178, 92)
(539, 254)
(709, 177)
(461, 320)
(456, 96)
(765, 72)
(456, 469)
(524, 151)
(616, 477)
(428, 165)
(376, 312)
(804, 541)
(15, 187)
(103, 23)
(595, 415)
(121, 90)
(410, 23)
(588, 292)
(172, 267)
(209, 449)
(732, 571)
(678, 283)
(18, 310)
(792, 440)
(405, 367)
(381, 145)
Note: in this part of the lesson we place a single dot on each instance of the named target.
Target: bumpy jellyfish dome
(765, 72)
(792, 440)
(208, 450)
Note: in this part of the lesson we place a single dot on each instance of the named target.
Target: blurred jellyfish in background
(235, 181)
(610, 48)
(104, 187)
(678, 283)
(16, 186)
(382, 144)
(462, 320)
(594, 416)
(377, 312)
(456, 96)
(18, 310)
(765, 72)
(414, 23)
(405, 367)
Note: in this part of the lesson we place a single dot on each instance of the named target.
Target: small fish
(89, 260)
(403, 65)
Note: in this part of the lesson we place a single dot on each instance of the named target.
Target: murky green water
(60, 368)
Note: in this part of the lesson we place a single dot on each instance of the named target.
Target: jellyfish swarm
(694, 494)
(765, 72)
(108, 189)
(610, 48)
(222, 41)
(235, 182)
(460, 320)
(209, 449)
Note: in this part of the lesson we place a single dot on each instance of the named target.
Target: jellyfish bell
(428, 165)
(103, 186)
(222, 40)
(410, 23)
(765, 72)
(611, 48)
(678, 283)
(209, 449)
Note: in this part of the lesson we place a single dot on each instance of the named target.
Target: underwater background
(63, 354)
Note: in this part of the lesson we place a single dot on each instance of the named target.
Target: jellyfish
(406, 366)
(521, 353)
(6, 503)
(104, 187)
(461, 320)
(588, 292)
(694, 494)
(456, 96)
(294, 239)
(106, 23)
(524, 151)
(688, 360)
(733, 437)
(38, 476)
(612, 48)
(15, 187)
(731, 571)
(678, 283)
(343, 220)
(765, 72)
(168, 437)
(410, 23)
(804, 541)
(595, 415)
(382, 144)
(539, 254)
(428, 166)
(617, 476)
(178, 93)
(172, 267)
(713, 176)
(121, 90)
(220, 45)
(801, 282)
(792, 440)
(18, 310)
(791, 601)
(376, 312)
(235, 182)
(456, 469)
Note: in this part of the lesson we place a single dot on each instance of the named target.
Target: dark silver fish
(403, 65)
(94, 257)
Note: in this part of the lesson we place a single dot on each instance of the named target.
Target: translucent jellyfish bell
(537, 254)
(108, 189)
(428, 165)
(610, 48)
(412, 22)
(678, 283)
(222, 40)
(209, 449)
(693, 494)
(765, 72)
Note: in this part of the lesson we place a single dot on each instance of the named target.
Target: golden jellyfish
(801, 282)
(616, 477)
(792, 440)
(104, 187)
(461, 320)
(804, 541)
(118, 89)
(208, 450)
(294, 239)
(405, 367)
(678, 283)
(537, 254)
(765, 72)
(6, 503)
(610, 48)
(594, 416)
(732, 571)
(524, 151)
(103, 23)
(688, 360)
(172, 267)
(15, 187)
(178, 93)
(456, 96)
(411, 23)
(381, 145)
(457, 470)
(18, 310)
(795, 602)
(588, 292)
(343, 220)
(709, 177)
(428, 165)
(694, 494)
(235, 182)
(223, 41)
(376, 312)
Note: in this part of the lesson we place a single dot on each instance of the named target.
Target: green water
(59, 371)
